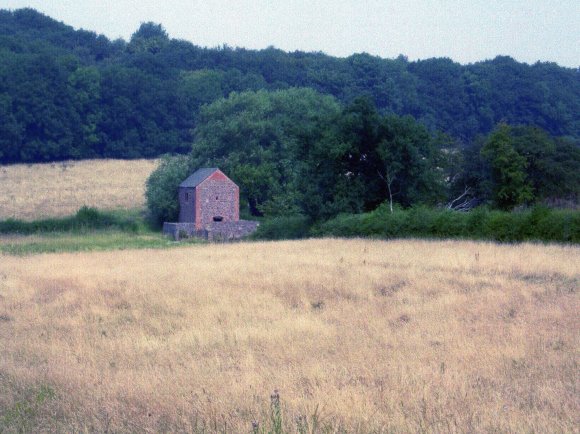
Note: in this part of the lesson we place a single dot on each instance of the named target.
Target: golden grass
(35, 191)
(382, 336)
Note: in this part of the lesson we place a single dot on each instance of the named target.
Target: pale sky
(464, 30)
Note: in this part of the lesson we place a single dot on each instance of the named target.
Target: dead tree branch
(463, 202)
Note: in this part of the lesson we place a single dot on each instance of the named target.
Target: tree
(85, 87)
(508, 169)
(552, 166)
(10, 131)
(150, 37)
(151, 89)
(201, 87)
(255, 137)
(409, 162)
(365, 159)
(162, 188)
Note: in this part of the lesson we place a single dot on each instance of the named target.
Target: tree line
(67, 93)
(299, 152)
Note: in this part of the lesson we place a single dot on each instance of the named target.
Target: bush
(448, 224)
(85, 219)
(162, 189)
(537, 224)
(420, 221)
(475, 223)
(559, 225)
(287, 228)
(498, 226)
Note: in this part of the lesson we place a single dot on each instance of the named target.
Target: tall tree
(508, 169)
(255, 137)
(150, 37)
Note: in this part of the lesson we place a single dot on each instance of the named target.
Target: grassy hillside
(36, 191)
(365, 336)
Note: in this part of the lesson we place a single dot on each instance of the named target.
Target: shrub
(449, 224)
(539, 224)
(279, 228)
(420, 221)
(343, 225)
(498, 226)
(559, 225)
(475, 222)
(162, 189)
(85, 219)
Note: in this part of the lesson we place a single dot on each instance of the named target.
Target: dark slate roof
(197, 177)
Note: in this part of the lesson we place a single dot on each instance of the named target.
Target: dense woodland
(299, 152)
(67, 93)
(302, 133)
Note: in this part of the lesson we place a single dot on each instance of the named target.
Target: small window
(186, 196)
(218, 218)
(216, 198)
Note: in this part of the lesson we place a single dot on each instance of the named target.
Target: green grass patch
(86, 241)
(21, 416)
(88, 230)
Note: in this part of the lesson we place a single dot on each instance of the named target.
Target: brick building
(209, 207)
(208, 196)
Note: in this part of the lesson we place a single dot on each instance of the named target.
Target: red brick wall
(217, 196)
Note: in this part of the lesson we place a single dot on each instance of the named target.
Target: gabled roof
(198, 177)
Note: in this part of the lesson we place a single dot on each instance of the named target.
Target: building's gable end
(217, 175)
(217, 200)
(210, 208)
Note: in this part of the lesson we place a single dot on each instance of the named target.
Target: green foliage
(366, 158)
(162, 189)
(84, 220)
(202, 86)
(523, 164)
(283, 228)
(508, 170)
(254, 138)
(67, 93)
(97, 240)
(276, 414)
(282, 133)
(20, 417)
(296, 152)
(552, 165)
(537, 224)
(88, 230)
(150, 37)
(409, 160)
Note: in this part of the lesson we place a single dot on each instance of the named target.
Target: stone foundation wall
(214, 231)
(179, 230)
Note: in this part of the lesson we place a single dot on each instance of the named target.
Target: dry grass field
(35, 191)
(361, 336)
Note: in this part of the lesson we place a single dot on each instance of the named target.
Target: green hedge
(283, 228)
(85, 219)
(536, 224)
(539, 223)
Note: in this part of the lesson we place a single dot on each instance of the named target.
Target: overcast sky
(464, 30)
